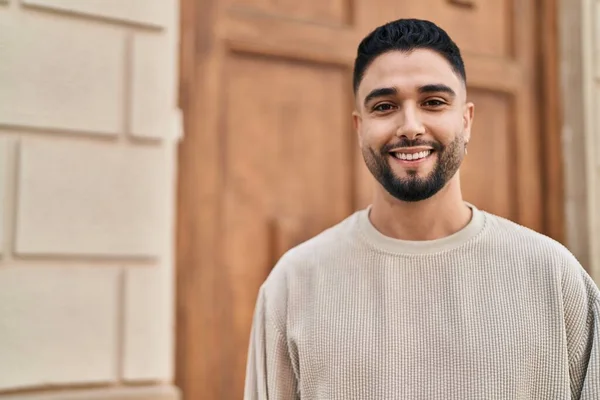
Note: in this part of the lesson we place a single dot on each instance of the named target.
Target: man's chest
(426, 336)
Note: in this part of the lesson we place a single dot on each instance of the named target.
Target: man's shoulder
(326, 243)
(537, 255)
(527, 243)
(336, 236)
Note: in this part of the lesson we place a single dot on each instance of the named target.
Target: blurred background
(158, 156)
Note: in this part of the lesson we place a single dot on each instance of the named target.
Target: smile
(412, 156)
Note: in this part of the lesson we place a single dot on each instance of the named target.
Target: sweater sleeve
(589, 360)
(585, 357)
(269, 371)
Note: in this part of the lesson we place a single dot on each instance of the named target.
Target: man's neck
(439, 216)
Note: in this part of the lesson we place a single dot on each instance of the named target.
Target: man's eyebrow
(437, 88)
(380, 92)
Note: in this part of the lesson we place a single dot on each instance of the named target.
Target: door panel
(287, 171)
(269, 158)
(288, 137)
(488, 171)
(481, 27)
(335, 12)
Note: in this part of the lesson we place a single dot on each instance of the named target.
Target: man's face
(413, 122)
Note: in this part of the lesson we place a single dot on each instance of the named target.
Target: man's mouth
(411, 155)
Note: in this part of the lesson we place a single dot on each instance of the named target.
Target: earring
(466, 152)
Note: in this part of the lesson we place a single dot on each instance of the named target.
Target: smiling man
(422, 295)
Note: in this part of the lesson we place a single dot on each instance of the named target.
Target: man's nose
(410, 125)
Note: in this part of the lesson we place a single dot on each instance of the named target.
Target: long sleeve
(590, 359)
(583, 322)
(269, 372)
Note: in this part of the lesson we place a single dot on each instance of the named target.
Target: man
(422, 295)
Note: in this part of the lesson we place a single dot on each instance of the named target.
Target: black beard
(414, 188)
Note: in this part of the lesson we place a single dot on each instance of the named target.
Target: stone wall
(88, 134)
(579, 28)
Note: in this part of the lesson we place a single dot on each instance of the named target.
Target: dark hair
(406, 35)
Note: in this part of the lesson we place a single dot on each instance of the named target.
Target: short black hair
(406, 35)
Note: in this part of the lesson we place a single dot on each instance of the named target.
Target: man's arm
(585, 378)
(269, 372)
(582, 306)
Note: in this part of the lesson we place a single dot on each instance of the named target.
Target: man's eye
(383, 107)
(434, 103)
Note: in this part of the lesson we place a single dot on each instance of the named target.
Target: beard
(413, 187)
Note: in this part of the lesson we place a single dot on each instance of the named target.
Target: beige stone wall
(580, 72)
(591, 100)
(592, 121)
(88, 134)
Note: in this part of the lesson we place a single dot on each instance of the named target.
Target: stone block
(61, 74)
(58, 325)
(95, 199)
(153, 13)
(149, 324)
(162, 392)
(153, 85)
(3, 189)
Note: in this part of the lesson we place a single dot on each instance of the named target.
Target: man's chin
(422, 172)
(409, 196)
(411, 177)
(411, 188)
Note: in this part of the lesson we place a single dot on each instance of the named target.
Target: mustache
(405, 142)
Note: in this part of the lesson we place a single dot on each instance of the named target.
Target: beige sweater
(495, 311)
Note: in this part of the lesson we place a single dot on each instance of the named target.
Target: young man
(423, 296)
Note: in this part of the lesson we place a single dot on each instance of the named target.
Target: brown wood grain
(200, 283)
(551, 120)
(463, 3)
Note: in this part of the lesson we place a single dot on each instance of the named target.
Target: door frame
(576, 58)
(198, 320)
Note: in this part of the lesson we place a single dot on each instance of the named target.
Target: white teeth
(411, 157)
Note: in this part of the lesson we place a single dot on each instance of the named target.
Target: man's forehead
(409, 71)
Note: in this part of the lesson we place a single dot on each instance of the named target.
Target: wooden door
(269, 157)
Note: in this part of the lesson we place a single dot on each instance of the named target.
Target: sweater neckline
(398, 246)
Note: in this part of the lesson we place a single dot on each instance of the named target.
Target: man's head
(411, 115)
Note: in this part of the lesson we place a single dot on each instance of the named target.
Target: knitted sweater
(494, 311)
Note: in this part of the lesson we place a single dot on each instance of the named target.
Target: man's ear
(357, 124)
(468, 115)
